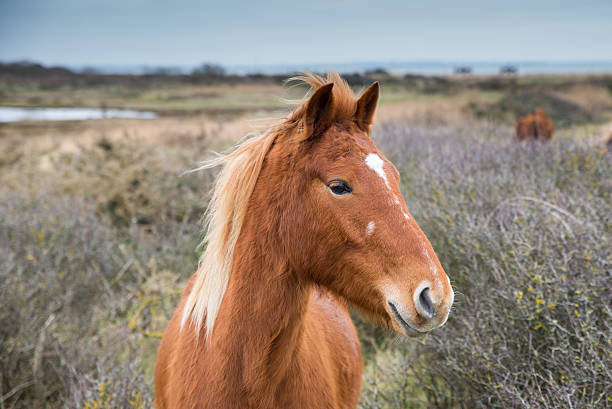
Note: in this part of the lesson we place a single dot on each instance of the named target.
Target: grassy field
(99, 232)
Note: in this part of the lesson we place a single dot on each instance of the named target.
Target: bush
(524, 233)
(72, 285)
(75, 277)
(522, 230)
(209, 70)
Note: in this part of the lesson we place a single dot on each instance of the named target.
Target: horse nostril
(425, 306)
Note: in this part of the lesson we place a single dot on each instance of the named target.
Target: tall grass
(95, 249)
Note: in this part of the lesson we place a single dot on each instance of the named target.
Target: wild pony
(535, 126)
(304, 219)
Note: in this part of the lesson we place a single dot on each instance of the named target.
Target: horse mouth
(408, 329)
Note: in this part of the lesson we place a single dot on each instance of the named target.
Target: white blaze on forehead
(370, 228)
(375, 163)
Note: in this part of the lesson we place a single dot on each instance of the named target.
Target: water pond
(16, 114)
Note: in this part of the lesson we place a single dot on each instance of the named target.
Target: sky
(190, 32)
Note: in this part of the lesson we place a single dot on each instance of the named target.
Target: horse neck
(261, 321)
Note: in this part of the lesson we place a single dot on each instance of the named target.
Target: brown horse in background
(536, 126)
(304, 220)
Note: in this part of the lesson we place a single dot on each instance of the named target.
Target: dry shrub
(110, 387)
(524, 234)
(132, 182)
(83, 282)
(78, 294)
(523, 231)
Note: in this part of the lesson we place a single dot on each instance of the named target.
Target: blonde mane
(227, 209)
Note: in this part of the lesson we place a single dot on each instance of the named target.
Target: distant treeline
(28, 73)
(34, 75)
(43, 77)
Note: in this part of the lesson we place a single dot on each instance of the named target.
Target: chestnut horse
(304, 219)
(536, 126)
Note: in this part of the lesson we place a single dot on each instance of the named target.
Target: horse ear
(366, 107)
(319, 111)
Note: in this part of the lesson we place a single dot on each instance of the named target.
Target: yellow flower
(519, 295)
(102, 389)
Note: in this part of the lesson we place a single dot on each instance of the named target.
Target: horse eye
(339, 187)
